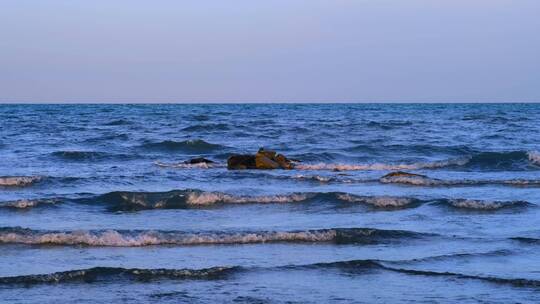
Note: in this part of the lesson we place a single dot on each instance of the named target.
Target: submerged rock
(198, 160)
(401, 177)
(403, 174)
(263, 160)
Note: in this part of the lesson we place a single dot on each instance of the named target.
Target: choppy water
(96, 205)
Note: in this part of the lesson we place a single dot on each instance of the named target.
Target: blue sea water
(97, 206)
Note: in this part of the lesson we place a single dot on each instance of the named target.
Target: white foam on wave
(318, 178)
(426, 181)
(149, 238)
(522, 182)
(18, 181)
(480, 204)
(382, 166)
(412, 180)
(378, 201)
(26, 204)
(210, 198)
(534, 157)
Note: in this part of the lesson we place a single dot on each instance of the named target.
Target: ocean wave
(390, 124)
(521, 182)
(352, 267)
(178, 199)
(118, 122)
(207, 127)
(89, 155)
(19, 181)
(381, 201)
(527, 240)
(513, 160)
(25, 204)
(316, 178)
(382, 166)
(187, 146)
(117, 273)
(362, 265)
(126, 238)
(182, 199)
(412, 179)
(190, 198)
(107, 137)
(493, 253)
(422, 180)
(482, 204)
(534, 157)
(183, 165)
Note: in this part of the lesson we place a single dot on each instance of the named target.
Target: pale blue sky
(264, 51)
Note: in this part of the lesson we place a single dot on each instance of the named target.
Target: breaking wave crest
(381, 201)
(340, 178)
(513, 160)
(483, 205)
(381, 166)
(18, 181)
(25, 204)
(422, 180)
(185, 199)
(534, 157)
(182, 199)
(179, 199)
(116, 273)
(135, 238)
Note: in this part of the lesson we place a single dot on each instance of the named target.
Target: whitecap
(18, 181)
(383, 166)
(534, 157)
(379, 201)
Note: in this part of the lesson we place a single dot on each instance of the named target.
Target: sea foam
(18, 181)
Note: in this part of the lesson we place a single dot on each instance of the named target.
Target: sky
(270, 51)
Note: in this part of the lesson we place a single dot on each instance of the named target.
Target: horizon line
(15, 102)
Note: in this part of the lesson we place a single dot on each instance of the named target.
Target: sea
(97, 204)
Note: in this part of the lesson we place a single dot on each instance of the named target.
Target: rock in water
(403, 173)
(401, 177)
(284, 162)
(198, 160)
(239, 162)
(263, 160)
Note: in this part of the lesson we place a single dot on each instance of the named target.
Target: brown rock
(269, 154)
(283, 162)
(264, 162)
(264, 159)
(239, 162)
